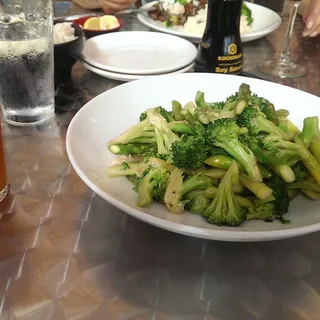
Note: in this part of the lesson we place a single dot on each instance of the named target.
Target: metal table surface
(67, 254)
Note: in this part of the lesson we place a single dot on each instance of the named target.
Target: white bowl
(114, 111)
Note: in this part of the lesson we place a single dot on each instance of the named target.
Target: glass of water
(4, 188)
(26, 61)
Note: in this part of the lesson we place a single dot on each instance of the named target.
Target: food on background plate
(63, 32)
(105, 22)
(230, 161)
(191, 15)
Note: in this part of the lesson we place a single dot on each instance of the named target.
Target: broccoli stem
(213, 173)
(220, 162)
(271, 113)
(126, 149)
(267, 126)
(266, 174)
(191, 184)
(240, 106)
(190, 107)
(314, 195)
(311, 163)
(176, 108)
(307, 184)
(189, 117)
(282, 113)
(285, 172)
(159, 163)
(264, 156)
(237, 188)
(310, 130)
(127, 169)
(224, 162)
(181, 127)
(311, 136)
(244, 159)
(164, 136)
(172, 194)
(133, 132)
(287, 126)
(199, 100)
(261, 190)
(143, 140)
(211, 193)
(315, 149)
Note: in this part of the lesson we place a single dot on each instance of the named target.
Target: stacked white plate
(132, 55)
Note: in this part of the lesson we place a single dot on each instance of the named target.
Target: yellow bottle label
(231, 63)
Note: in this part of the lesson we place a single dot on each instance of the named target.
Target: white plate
(114, 111)
(130, 77)
(138, 52)
(265, 22)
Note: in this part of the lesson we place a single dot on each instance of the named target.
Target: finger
(312, 18)
(128, 3)
(315, 32)
(316, 25)
(110, 7)
(312, 25)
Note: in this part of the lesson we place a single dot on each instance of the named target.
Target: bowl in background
(66, 55)
(92, 33)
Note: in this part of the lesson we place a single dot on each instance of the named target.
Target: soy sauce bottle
(220, 50)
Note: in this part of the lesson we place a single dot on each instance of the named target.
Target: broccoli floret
(165, 137)
(246, 12)
(178, 186)
(256, 122)
(280, 194)
(217, 105)
(189, 152)
(272, 150)
(224, 133)
(216, 151)
(244, 92)
(163, 112)
(225, 209)
(262, 211)
(152, 186)
(300, 171)
(197, 202)
(266, 107)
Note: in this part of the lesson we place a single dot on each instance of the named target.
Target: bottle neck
(223, 17)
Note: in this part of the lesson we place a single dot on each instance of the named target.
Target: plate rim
(131, 77)
(209, 234)
(142, 17)
(189, 46)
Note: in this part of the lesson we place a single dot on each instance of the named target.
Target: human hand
(311, 19)
(114, 6)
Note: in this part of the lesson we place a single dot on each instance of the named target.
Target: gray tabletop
(67, 254)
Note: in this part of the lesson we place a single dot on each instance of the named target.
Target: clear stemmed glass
(283, 67)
